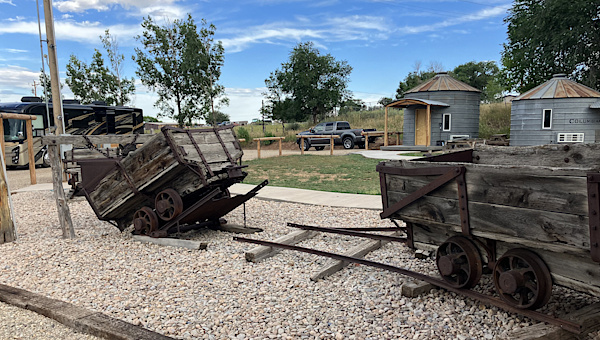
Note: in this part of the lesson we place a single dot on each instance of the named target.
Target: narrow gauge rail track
(362, 232)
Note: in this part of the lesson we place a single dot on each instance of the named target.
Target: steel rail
(348, 232)
(564, 324)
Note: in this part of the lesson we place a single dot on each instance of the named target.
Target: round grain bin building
(439, 110)
(558, 111)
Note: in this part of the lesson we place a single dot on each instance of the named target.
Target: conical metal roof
(442, 82)
(559, 87)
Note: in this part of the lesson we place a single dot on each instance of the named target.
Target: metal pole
(37, 6)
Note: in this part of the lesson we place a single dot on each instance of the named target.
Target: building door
(421, 127)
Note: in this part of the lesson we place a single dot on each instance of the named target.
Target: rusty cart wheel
(459, 262)
(145, 221)
(168, 204)
(522, 279)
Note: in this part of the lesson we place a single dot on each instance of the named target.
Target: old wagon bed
(178, 177)
(530, 214)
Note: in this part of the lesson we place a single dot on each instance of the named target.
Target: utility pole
(54, 78)
(34, 88)
(64, 214)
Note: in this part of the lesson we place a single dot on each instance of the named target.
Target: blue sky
(383, 40)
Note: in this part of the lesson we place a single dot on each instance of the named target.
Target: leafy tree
(151, 119)
(383, 101)
(46, 87)
(220, 117)
(548, 37)
(352, 105)
(413, 79)
(122, 87)
(182, 63)
(481, 75)
(309, 84)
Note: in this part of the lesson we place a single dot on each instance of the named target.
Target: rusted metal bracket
(223, 144)
(593, 186)
(349, 232)
(446, 174)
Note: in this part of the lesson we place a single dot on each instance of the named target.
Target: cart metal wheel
(145, 221)
(168, 204)
(459, 262)
(522, 279)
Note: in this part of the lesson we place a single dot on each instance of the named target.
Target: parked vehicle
(348, 137)
(94, 119)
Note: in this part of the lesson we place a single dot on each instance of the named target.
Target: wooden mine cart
(175, 181)
(529, 214)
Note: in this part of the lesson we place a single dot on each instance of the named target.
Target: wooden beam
(64, 215)
(428, 131)
(7, 227)
(260, 253)
(258, 149)
(6, 115)
(331, 146)
(78, 140)
(2, 140)
(280, 141)
(385, 129)
(30, 152)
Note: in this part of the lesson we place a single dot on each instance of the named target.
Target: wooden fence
(302, 137)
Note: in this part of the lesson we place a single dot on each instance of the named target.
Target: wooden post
(64, 215)
(258, 149)
(302, 145)
(428, 130)
(2, 140)
(398, 139)
(280, 141)
(385, 138)
(367, 141)
(331, 146)
(29, 128)
(7, 227)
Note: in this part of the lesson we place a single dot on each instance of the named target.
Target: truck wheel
(348, 142)
(306, 144)
(319, 148)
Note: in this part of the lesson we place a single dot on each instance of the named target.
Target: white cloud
(13, 50)
(75, 31)
(16, 82)
(7, 2)
(105, 5)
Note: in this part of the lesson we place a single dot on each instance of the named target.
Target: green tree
(122, 87)
(352, 105)
(314, 83)
(383, 101)
(412, 80)
(481, 75)
(182, 63)
(549, 37)
(46, 87)
(90, 82)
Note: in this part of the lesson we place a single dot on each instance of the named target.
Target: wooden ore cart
(528, 215)
(178, 180)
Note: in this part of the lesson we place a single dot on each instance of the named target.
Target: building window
(547, 119)
(447, 124)
(570, 137)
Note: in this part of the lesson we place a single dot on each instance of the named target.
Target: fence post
(258, 149)
(29, 128)
(367, 141)
(7, 227)
(64, 214)
(280, 139)
(331, 145)
(302, 145)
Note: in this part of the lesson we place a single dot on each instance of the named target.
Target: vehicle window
(343, 126)
(329, 127)
(15, 130)
(320, 127)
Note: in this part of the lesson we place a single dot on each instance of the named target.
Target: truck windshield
(14, 130)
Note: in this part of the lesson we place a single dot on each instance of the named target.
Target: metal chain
(91, 146)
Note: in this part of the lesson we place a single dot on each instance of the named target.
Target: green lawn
(350, 173)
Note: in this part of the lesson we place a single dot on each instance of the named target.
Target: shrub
(243, 133)
(268, 142)
(293, 126)
(494, 119)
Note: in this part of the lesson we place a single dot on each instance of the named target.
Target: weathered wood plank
(172, 242)
(260, 253)
(553, 155)
(334, 266)
(7, 227)
(537, 189)
(501, 220)
(79, 141)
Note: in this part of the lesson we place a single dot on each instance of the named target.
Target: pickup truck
(348, 137)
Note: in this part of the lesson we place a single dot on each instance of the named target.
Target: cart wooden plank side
(177, 177)
(530, 214)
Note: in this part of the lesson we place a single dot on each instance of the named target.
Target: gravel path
(216, 294)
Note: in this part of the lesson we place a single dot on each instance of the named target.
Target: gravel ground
(216, 294)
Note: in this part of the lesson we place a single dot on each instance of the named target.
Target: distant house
(439, 110)
(558, 111)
